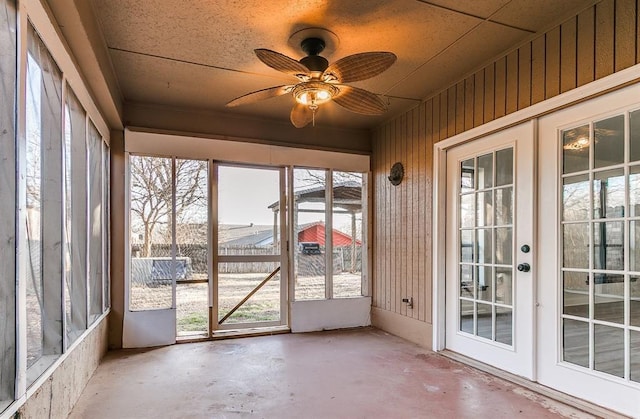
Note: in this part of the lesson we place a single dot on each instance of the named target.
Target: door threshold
(559, 396)
(236, 333)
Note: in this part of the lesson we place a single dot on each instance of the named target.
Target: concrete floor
(363, 373)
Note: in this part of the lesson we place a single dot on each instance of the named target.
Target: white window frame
(302, 315)
(33, 12)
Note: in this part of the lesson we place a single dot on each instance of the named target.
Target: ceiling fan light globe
(314, 93)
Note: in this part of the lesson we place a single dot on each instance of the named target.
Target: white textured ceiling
(199, 53)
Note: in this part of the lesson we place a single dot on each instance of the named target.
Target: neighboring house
(259, 236)
(315, 233)
(233, 235)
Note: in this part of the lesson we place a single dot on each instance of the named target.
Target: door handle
(524, 267)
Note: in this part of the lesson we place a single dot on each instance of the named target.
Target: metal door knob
(524, 267)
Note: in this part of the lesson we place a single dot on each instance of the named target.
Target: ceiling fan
(320, 82)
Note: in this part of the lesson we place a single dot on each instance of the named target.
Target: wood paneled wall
(596, 43)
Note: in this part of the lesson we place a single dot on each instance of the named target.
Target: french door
(250, 256)
(589, 290)
(489, 258)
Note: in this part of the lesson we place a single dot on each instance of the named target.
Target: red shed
(315, 233)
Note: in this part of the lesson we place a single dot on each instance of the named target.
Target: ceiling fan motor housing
(314, 62)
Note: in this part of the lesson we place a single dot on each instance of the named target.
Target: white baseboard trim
(413, 330)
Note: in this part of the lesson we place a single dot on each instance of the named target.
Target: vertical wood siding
(594, 44)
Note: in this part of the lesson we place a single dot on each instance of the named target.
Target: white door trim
(597, 88)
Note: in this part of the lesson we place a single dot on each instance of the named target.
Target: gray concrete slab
(364, 373)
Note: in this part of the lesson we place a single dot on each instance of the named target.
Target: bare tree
(306, 178)
(151, 192)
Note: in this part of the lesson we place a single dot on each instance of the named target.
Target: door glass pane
(151, 227)
(608, 194)
(504, 322)
(504, 243)
(484, 326)
(504, 286)
(467, 210)
(575, 338)
(634, 191)
(634, 291)
(575, 299)
(485, 171)
(484, 209)
(634, 350)
(192, 244)
(609, 141)
(347, 234)
(609, 350)
(634, 245)
(609, 297)
(466, 316)
(575, 149)
(504, 167)
(575, 198)
(309, 238)
(575, 238)
(484, 286)
(467, 177)
(634, 135)
(466, 246)
(504, 206)
(467, 284)
(484, 251)
(608, 243)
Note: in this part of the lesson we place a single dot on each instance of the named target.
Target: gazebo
(346, 199)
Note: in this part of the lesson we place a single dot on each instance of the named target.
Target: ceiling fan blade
(359, 101)
(281, 62)
(358, 67)
(301, 115)
(259, 95)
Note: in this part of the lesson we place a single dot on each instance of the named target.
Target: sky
(238, 205)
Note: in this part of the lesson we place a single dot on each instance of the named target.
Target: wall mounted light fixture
(396, 174)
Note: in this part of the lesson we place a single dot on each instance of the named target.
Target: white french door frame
(597, 88)
(440, 219)
(607, 85)
(590, 384)
(519, 356)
